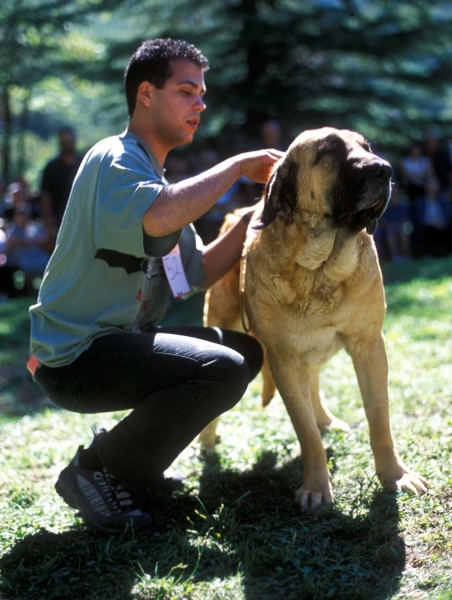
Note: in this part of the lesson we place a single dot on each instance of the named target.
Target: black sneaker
(169, 481)
(104, 503)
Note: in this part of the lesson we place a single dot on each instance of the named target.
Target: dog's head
(330, 173)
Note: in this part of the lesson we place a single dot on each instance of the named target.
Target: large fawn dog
(311, 285)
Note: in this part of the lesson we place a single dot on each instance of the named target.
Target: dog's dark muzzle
(378, 171)
(367, 197)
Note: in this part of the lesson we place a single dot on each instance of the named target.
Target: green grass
(235, 532)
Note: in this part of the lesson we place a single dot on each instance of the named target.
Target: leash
(243, 312)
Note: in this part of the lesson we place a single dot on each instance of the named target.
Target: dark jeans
(175, 380)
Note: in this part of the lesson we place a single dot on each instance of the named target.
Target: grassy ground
(235, 533)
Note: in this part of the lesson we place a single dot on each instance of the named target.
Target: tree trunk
(6, 154)
(256, 58)
(23, 120)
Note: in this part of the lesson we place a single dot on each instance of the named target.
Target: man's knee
(254, 355)
(231, 375)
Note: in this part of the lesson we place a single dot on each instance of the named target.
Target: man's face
(176, 108)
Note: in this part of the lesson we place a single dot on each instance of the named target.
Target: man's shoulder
(117, 147)
(110, 144)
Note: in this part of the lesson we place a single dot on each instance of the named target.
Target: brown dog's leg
(324, 417)
(268, 388)
(371, 368)
(208, 437)
(221, 309)
(293, 382)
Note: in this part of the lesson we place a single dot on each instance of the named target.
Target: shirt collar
(128, 135)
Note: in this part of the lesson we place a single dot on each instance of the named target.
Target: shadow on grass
(243, 526)
(284, 553)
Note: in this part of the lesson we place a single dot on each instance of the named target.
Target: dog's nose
(381, 170)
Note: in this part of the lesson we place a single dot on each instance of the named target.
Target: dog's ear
(280, 195)
(372, 226)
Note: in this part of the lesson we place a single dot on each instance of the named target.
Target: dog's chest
(306, 316)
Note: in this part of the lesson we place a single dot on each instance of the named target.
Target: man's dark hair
(152, 62)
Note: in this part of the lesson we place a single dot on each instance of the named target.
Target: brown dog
(311, 286)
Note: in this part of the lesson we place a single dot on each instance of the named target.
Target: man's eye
(186, 92)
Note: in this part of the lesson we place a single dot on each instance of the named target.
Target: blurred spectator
(436, 222)
(417, 169)
(25, 246)
(17, 193)
(392, 236)
(57, 180)
(442, 165)
(2, 198)
(6, 275)
(271, 135)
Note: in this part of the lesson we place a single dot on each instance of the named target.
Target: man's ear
(145, 93)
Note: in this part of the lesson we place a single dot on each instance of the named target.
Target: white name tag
(174, 270)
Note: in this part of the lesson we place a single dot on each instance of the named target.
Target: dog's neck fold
(334, 251)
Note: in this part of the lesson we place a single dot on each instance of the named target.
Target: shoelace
(115, 493)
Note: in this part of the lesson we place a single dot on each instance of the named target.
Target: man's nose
(200, 104)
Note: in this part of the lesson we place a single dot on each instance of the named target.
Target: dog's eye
(326, 152)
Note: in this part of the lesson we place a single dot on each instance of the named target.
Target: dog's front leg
(324, 417)
(371, 368)
(209, 438)
(293, 383)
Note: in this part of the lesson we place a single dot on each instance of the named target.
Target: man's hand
(257, 166)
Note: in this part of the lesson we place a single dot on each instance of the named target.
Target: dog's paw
(209, 451)
(396, 476)
(408, 481)
(312, 497)
(334, 425)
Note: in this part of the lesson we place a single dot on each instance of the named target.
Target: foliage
(379, 67)
(235, 533)
(36, 42)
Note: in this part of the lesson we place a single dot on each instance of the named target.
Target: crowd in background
(29, 220)
(417, 223)
(418, 220)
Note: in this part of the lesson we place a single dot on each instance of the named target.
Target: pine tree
(378, 66)
(30, 36)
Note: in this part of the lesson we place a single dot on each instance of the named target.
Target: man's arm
(222, 254)
(181, 203)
